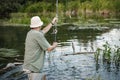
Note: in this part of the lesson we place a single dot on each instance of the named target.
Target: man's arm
(54, 45)
(48, 27)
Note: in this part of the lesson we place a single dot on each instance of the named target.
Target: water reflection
(13, 37)
(84, 38)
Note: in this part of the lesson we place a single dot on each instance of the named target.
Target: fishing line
(52, 65)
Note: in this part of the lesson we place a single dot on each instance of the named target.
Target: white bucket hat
(36, 22)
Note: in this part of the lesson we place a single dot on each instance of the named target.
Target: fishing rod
(56, 8)
(55, 26)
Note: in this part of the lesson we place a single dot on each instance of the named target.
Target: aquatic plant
(106, 53)
(116, 57)
(110, 56)
(96, 55)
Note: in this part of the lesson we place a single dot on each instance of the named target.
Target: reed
(116, 57)
(110, 56)
(97, 54)
(106, 53)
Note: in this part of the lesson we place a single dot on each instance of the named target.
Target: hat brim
(37, 25)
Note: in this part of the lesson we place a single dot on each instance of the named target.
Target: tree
(8, 6)
(116, 4)
(85, 5)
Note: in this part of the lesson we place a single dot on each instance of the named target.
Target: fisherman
(35, 47)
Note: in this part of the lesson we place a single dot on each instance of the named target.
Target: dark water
(57, 66)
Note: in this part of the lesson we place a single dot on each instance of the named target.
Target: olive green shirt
(35, 47)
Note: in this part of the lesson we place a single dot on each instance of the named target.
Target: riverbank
(75, 22)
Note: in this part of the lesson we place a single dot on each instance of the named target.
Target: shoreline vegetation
(73, 12)
(80, 23)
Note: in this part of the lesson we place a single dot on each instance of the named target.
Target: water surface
(58, 66)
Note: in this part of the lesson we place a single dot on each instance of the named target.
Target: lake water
(57, 65)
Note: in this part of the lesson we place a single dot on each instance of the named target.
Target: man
(35, 47)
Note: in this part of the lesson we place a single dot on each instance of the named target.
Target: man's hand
(48, 27)
(55, 44)
(55, 20)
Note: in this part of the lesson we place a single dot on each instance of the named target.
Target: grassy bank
(94, 11)
(24, 19)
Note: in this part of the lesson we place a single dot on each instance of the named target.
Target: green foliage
(117, 5)
(61, 7)
(84, 9)
(104, 5)
(24, 18)
(97, 54)
(96, 4)
(74, 5)
(107, 52)
(109, 55)
(19, 18)
(8, 6)
(116, 57)
(36, 7)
